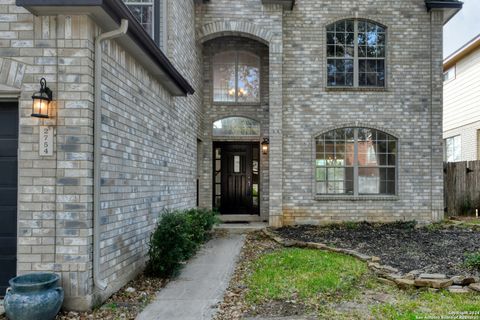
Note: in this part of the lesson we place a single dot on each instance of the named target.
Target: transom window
(236, 77)
(356, 161)
(355, 54)
(236, 126)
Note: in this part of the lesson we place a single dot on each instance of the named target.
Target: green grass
(472, 260)
(304, 273)
(324, 280)
(431, 304)
(473, 222)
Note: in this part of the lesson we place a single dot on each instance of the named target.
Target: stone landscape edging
(388, 274)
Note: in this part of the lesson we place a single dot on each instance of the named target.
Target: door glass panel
(255, 194)
(255, 167)
(218, 177)
(236, 164)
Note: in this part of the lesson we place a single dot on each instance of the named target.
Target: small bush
(350, 225)
(201, 221)
(472, 260)
(176, 238)
(466, 206)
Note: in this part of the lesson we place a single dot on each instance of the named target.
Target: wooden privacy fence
(461, 187)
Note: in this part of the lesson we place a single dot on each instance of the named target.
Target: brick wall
(149, 146)
(55, 193)
(409, 108)
(151, 138)
(405, 109)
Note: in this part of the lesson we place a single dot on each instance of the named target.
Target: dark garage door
(8, 192)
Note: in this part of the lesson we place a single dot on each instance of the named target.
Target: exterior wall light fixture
(265, 144)
(41, 100)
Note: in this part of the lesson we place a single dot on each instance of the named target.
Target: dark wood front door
(236, 178)
(8, 192)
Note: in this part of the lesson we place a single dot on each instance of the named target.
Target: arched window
(356, 161)
(356, 54)
(236, 126)
(236, 77)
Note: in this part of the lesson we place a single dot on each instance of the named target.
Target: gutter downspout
(97, 148)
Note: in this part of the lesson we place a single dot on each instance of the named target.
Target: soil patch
(400, 245)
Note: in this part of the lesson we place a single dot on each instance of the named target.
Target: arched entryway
(236, 166)
(249, 49)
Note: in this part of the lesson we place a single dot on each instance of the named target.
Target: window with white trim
(356, 54)
(453, 149)
(151, 14)
(450, 74)
(356, 161)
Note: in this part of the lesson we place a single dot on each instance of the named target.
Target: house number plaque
(46, 141)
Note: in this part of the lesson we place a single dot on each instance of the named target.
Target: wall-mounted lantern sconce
(265, 144)
(41, 100)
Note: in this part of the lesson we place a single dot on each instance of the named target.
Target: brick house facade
(87, 214)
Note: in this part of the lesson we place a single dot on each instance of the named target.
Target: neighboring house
(461, 103)
(291, 112)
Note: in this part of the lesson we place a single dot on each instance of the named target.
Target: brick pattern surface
(152, 141)
(409, 107)
(149, 146)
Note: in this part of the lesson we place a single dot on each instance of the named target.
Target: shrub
(176, 238)
(472, 260)
(466, 206)
(201, 221)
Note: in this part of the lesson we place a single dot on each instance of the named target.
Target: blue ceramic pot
(34, 296)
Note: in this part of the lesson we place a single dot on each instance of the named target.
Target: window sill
(357, 89)
(355, 198)
(236, 104)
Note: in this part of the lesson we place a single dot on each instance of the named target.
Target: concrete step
(241, 228)
(241, 218)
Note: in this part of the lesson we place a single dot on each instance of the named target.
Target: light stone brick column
(436, 44)
(276, 126)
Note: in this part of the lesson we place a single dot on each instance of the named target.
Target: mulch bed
(400, 245)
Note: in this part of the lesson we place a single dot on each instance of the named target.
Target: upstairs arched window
(356, 161)
(236, 77)
(356, 54)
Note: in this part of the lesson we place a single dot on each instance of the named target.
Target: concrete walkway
(201, 285)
